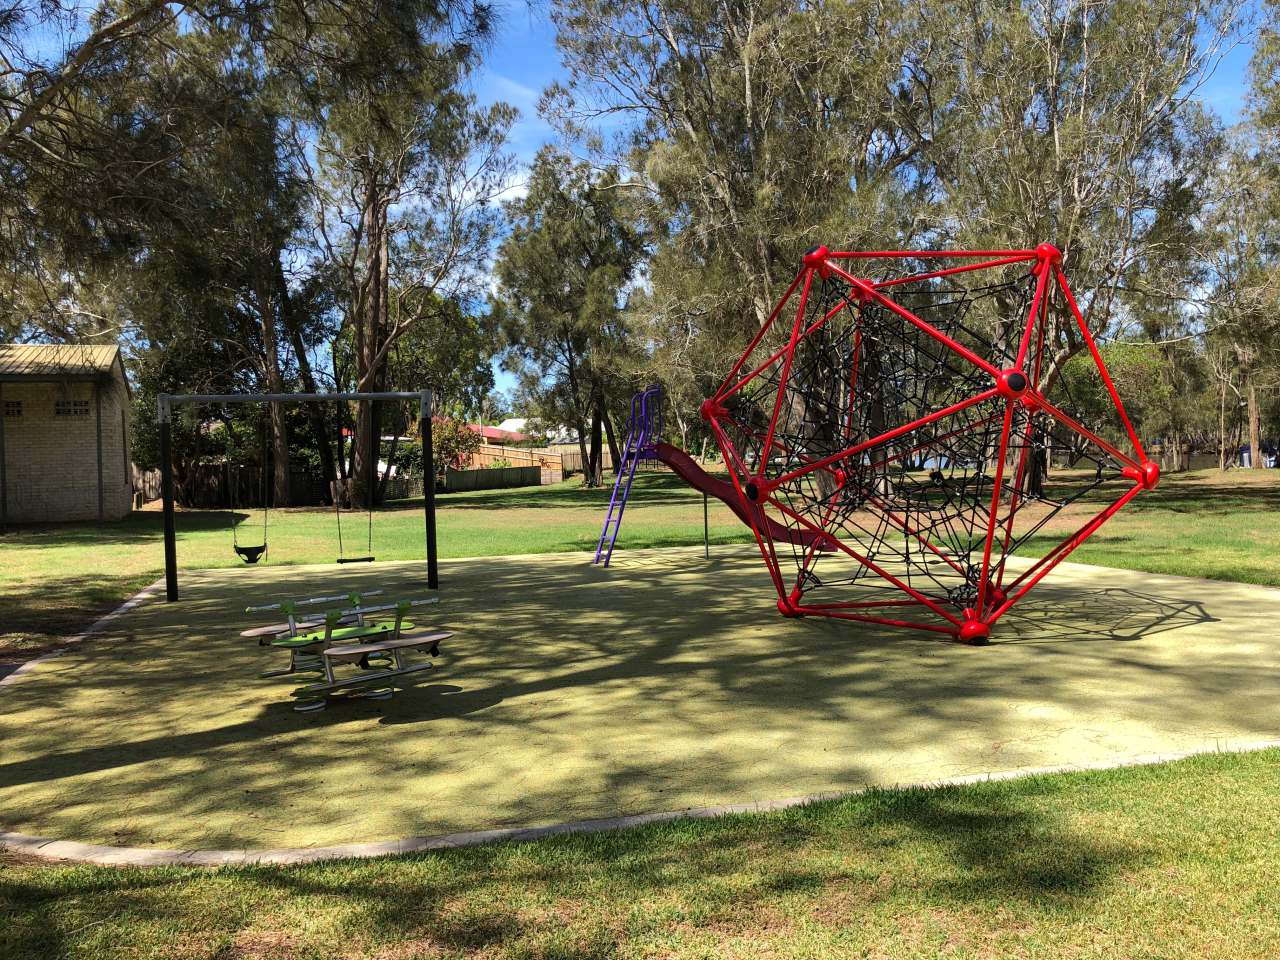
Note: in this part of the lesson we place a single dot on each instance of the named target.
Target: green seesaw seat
(347, 635)
(380, 654)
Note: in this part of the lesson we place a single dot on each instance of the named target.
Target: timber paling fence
(491, 478)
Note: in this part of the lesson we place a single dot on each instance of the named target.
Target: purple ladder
(644, 430)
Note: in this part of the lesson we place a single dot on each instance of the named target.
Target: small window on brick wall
(12, 409)
(71, 408)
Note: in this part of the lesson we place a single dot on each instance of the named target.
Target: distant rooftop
(52, 361)
(492, 434)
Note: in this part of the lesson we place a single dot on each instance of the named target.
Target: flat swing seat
(356, 559)
(272, 629)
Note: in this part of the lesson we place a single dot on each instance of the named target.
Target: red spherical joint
(1046, 255)
(756, 489)
(995, 594)
(1012, 384)
(974, 632)
(1145, 476)
(862, 295)
(815, 258)
(709, 410)
(840, 477)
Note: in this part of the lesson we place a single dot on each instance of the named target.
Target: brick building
(64, 434)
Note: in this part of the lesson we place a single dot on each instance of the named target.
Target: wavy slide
(687, 470)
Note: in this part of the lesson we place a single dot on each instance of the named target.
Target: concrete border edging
(96, 627)
(46, 848)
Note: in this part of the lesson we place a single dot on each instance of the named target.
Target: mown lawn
(55, 579)
(1170, 861)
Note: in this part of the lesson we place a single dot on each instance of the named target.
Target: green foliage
(453, 444)
(563, 271)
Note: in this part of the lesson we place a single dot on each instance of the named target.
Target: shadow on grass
(37, 620)
(972, 850)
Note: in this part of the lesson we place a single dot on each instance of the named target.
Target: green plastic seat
(339, 634)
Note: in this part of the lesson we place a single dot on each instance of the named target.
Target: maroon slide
(692, 474)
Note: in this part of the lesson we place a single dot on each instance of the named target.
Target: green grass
(56, 578)
(1169, 861)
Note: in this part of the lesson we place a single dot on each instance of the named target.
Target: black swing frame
(167, 401)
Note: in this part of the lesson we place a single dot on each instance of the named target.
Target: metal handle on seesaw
(314, 600)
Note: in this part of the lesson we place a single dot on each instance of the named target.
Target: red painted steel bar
(1084, 431)
(761, 332)
(862, 604)
(1102, 367)
(911, 318)
(898, 281)
(1048, 557)
(883, 621)
(866, 562)
(1063, 550)
(995, 508)
(777, 354)
(929, 254)
(905, 527)
(786, 368)
(933, 441)
(1041, 282)
(883, 438)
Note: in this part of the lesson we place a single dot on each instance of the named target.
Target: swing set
(252, 553)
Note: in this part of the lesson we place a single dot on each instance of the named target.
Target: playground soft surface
(571, 693)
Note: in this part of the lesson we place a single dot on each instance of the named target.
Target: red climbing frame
(806, 486)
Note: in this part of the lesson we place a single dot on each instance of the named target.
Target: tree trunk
(1036, 471)
(1222, 427)
(316, 413)
(1255, 429)
(614, 455)
(275, 384)
(595, 469)
(372, 326)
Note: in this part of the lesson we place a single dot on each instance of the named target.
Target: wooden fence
(548, 462)
(492, 478)
(209, 484)
(146, 483)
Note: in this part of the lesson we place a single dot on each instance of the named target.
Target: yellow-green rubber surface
(572, 692)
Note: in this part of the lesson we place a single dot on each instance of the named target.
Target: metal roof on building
(45, 361)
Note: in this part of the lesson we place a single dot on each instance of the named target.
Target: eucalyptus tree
(1241, 242)
(402, 167)
(563, 272)
(753, 129)
(1077, 123)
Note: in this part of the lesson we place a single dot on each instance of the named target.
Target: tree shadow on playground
(795, 671)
